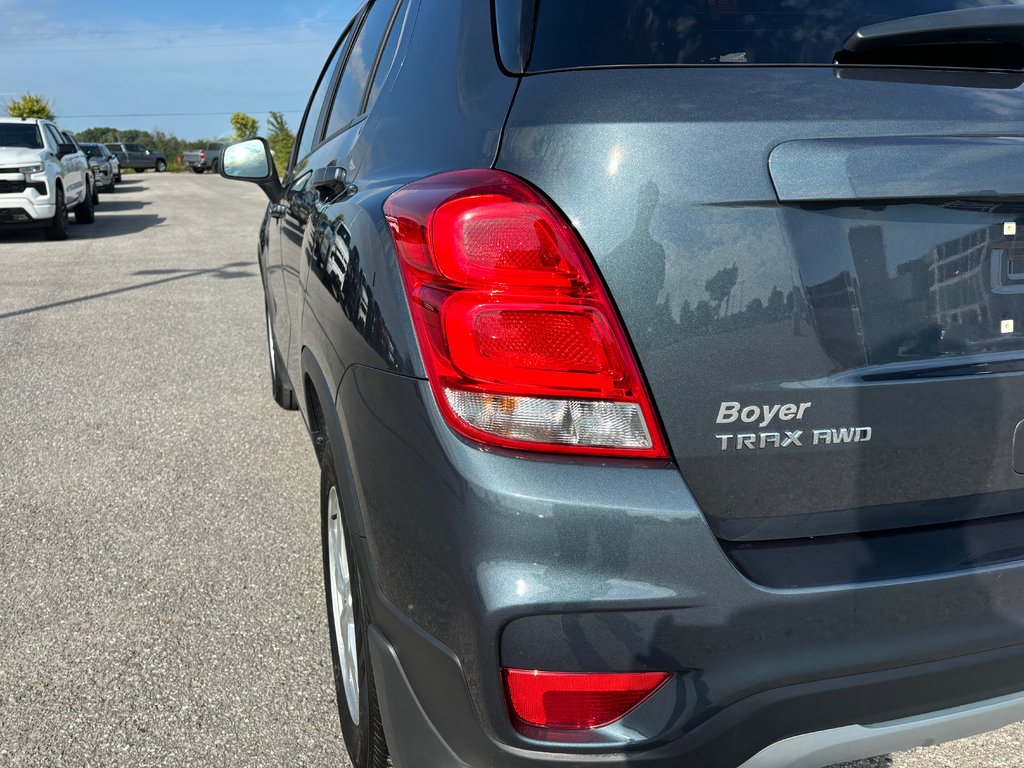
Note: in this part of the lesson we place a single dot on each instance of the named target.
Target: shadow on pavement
(106, 205)
(232, 271)
(131, 181)
(108, 224)
(114, 225)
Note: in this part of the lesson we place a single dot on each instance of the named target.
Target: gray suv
(664, 362)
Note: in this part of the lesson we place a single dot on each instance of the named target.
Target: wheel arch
(326, 428)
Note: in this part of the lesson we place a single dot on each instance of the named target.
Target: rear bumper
(493, 561)
(857, 741)
(435, 724)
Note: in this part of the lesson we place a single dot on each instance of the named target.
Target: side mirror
(251, 160)
(63, 150)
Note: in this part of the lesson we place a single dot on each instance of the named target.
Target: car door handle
(330, 179)
(277, 210)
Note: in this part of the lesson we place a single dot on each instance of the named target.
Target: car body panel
(713, 215)
(790, 593)
(351, 303)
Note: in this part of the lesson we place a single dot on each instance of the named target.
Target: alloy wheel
(343, 605)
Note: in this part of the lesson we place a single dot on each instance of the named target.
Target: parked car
(138, 158)
(115, 164)
(94, 183)
(203, 160)
(664, 371)
(102, 162)
(43, 175)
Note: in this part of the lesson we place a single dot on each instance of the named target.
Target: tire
(58, 226)
(280, 385)
(354, 684)
(161, 166)
(198, 169)
(214, 167)
(85, 211)
(117, 179)
(95, 195)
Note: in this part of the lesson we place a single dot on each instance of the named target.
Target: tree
(246, 126)
(102, 135)
(719, 286)
(776, 306)
(30, 105)
(281, 140)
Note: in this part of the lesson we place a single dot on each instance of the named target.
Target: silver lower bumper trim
(856, 742)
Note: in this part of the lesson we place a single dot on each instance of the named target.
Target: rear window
(23, 135)
(585, 33)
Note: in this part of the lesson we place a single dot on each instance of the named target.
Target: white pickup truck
(43, 175)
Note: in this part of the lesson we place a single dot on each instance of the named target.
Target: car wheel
(85, 211)
(95, 195)
(214, 167)
(197, 169)
(58, 227)
(358, 709)
(118, 177)
(161, 166)
(280, 386)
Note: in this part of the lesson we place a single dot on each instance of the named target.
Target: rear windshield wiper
(990, 37)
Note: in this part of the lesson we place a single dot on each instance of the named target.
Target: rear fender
(327, 424)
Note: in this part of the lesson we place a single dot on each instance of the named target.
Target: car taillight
(202, 155)
(577, 701)
(521, 342)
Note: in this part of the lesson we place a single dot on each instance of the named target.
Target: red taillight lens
(571, 701)
(202, 154)
(489, 238)
(520, 340)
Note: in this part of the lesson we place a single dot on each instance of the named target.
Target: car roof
(35, 120)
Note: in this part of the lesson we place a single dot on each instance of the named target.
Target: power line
(174, 47)
(158, 30)
(189, 114)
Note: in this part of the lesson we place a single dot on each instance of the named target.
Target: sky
(183, 66)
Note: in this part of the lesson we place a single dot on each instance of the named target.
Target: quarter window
(356, 76)
(307, 133)
(387, 56)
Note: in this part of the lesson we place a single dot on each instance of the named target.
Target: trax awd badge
(763, 415)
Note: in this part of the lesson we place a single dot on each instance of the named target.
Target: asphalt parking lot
(160, 586)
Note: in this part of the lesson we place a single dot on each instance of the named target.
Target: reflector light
(521, 343)
(577, 701)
